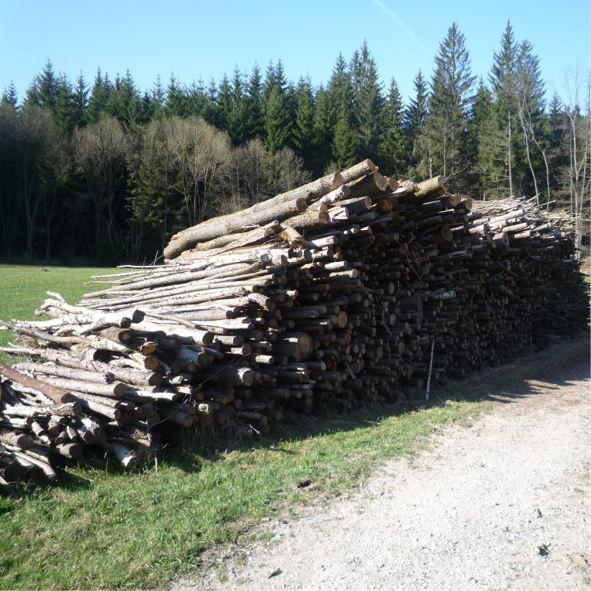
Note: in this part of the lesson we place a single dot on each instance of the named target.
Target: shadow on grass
(552, 369)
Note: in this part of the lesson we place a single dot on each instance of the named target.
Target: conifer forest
(99, 170)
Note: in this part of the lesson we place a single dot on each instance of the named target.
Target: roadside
(502, 505)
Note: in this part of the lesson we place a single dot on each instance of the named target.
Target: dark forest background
(102, 171)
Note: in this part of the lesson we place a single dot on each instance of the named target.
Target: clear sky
(201, 38)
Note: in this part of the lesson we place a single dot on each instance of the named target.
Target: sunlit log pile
(351, 290)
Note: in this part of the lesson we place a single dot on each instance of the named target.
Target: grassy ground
(22, 289)
(102, 528)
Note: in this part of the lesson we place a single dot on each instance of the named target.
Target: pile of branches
(351, 290)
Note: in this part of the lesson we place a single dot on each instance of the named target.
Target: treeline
(108, 172)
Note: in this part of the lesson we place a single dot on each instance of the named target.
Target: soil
(502, 505)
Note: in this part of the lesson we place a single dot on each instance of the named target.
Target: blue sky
(199, 38)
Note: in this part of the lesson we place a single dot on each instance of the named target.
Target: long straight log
(232, 223)
(57, 394)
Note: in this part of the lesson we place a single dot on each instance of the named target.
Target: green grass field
(102, 528)
(22, 289)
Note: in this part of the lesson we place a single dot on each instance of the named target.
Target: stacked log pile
(353, 289)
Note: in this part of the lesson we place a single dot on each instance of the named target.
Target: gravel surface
(502, 505)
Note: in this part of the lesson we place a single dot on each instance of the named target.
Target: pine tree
(415, 121)
(99, 97)
(43, 89)
(278, 116)
(323, 131)
(448, 105)
(255, 122)
(10, 96)
(65, 107)
(304, 133)
(486, 174)
(340, 111)
(125, 102)
(277, 121)
(557, 124)
(393, 156)
(529, 90)
(343, 148)
(236, 119)
(197, 99)
(211, 112)
(176, 99)
(368, 103)
(224, 103)
(154, 101)
(80, 100)
(503, 82)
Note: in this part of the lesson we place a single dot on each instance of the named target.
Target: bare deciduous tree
(579, 139)
(100, 152)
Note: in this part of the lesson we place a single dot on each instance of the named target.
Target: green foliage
(393, 147)
(449, 102)
(492, 141)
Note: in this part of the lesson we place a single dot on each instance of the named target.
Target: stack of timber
(353, 289)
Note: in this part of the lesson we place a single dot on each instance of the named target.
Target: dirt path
(502, 505)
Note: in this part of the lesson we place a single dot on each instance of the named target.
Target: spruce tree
(304, 133)
(255, 122)
(486, 174)
(393, 147)
(99, 97)
(323, 131)
(65, 107)
(368, 103)
(278, 115)
(224, 104)
(343, 148)
(125, 102)
(503, 82)
(176, 99)
(80, 100)
(340, 111)
(154, 101)
(415, 120)
(10, 96)
(43, 89)
(197, 99)
(448, 105)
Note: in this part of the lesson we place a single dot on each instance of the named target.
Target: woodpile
(353, 289)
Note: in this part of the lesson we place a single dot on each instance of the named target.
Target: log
(55, 393)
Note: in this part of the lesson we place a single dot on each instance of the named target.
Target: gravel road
(503, 505)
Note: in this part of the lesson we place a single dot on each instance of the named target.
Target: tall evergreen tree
(197, 99)
(125, 102)
(99, 97)
(323, 131)
(304, 135)
(368, 103)
(43, 91)
(10, 96)
(343, 147)
(255, 121)
(503, 82)
(449, 103)
(176, 99)
(415, 120)
(278, 116)
(393, 157)
(236, 121)
(65, 107)
(340, 111)
(484, 137)
(80, 100)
